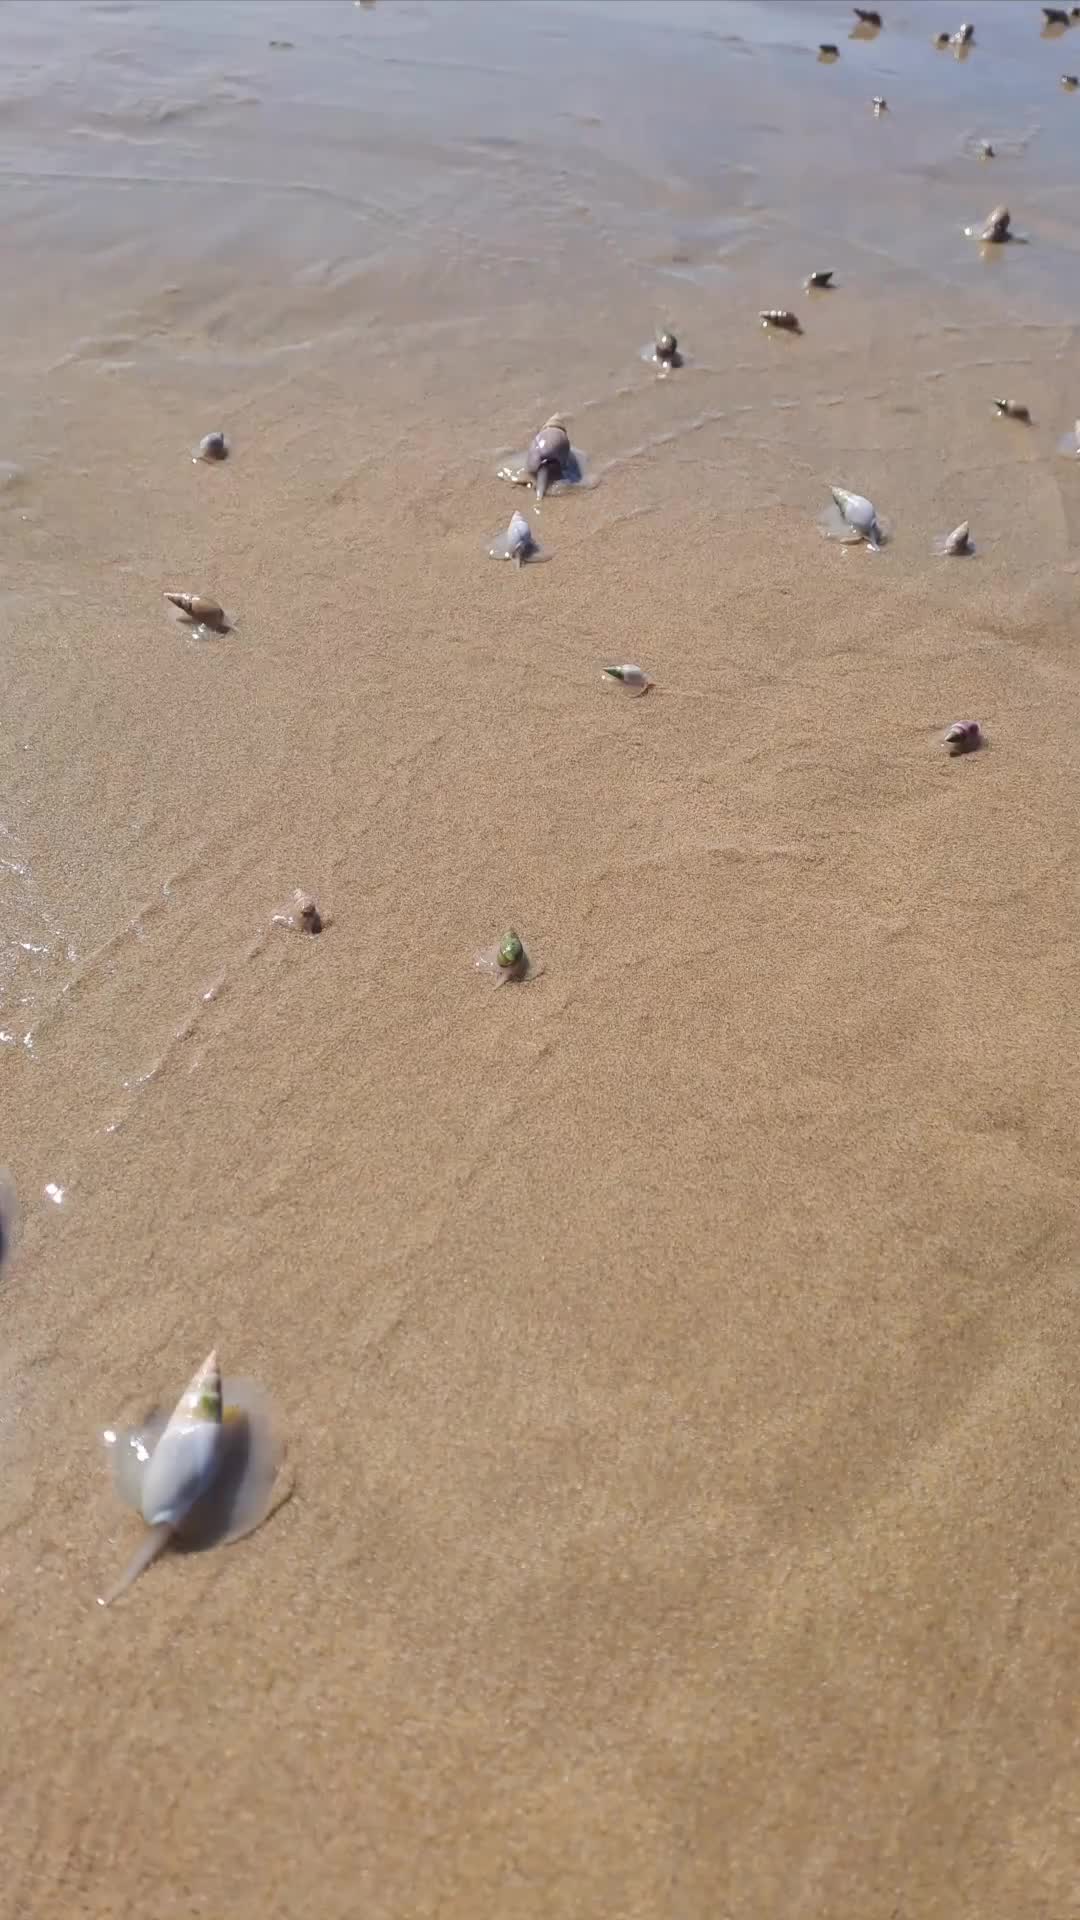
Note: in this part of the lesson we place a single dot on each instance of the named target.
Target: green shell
(511, 952)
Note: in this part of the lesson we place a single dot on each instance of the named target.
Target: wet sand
(677, 1354)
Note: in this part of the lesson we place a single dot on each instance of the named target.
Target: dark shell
(548, 448)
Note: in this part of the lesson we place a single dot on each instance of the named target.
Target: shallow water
(675, 1359)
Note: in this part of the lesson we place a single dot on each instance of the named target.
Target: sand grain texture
(678, 1353)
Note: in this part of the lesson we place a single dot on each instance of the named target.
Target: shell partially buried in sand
(203, 1476)
(663, 353)
(212, 447)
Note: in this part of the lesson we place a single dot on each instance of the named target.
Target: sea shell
(205, 1476)
(826, 51)
(634, 679)
(1012, 410)
(517, 543)
(9, 1220)
(941, 39)
(781, 318)
(852, 517)
(868, 16)
(880, 105)
(548, 454)
(963, 737)
(959, 541)
(301, 916)
(212, 446)
(549, 462)
(200, 610)
(1070, 82)
(997, 226)
(508, 961)
(963, 36)
(667, 350)
(821, 277)
(986, 151)
(1054, 17)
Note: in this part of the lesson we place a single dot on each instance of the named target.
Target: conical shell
(198, 607)
(187, 1456)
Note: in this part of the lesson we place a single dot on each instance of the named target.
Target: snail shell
(203, 1477)
(548, 454)
(868, 16)
(880, 105)
(667, 347)
(941, 39)
(1070, 82)
(821, 277)
(963, 36)
(858, 517)
(963, 737)
(997, 226)
(199, 608)
(510, 952)
(212, 446)
(826, 51)
(957, 542)
(780, 317)
(8, 1221)
(302, 916)
(635, 679)
(1054, 17)
(517, 543)
(1012, 409)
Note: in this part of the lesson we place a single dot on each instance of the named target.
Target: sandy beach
(677, 1352)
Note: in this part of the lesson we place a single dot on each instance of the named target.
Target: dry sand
(678, 1355)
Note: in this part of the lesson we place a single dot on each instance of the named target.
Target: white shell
(858, 517)
(959, 541)
(516, 543)
(634, 679)
(186, 1457)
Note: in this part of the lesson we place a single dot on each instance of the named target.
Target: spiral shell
(200, 609)
(959, 541)
(634, 679)
(517, 543)
(212, 446)
(1012, 410)
(781, 318)
(996, 229)
(667, 347)
(548, 454)
(511, 953)
(853, 517)
(964, 736)
(821, 277)
(205, 1476)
